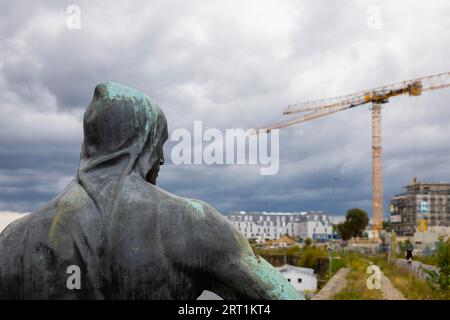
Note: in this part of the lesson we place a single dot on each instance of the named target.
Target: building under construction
(420, 206)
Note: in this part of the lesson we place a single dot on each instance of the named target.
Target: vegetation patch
(412, 287)
(356, 287)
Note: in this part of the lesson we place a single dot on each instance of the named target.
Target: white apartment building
(315, 225)
(272, 225)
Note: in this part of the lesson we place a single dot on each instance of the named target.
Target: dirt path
(335, 285)
(389, 291)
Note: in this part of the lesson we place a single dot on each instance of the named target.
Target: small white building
(302, 279)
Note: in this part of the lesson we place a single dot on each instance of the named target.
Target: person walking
(409, 254)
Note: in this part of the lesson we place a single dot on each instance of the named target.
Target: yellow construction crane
(320, 108)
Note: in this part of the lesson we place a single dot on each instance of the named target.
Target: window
(299, 280)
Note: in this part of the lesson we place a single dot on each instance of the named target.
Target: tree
(356, 221)
(344, 231)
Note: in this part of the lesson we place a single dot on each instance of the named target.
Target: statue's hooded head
(124, 133)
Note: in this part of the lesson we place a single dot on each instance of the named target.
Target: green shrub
(310, 255)
(308, 242)
(441, 281)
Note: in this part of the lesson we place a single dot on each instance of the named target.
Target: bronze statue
(128, 238)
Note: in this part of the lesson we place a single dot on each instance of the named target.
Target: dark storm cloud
(232, 65)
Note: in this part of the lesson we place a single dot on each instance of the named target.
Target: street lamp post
(331, 249)
(330, 256)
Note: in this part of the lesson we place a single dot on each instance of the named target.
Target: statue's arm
(237, 273)
(252, 277)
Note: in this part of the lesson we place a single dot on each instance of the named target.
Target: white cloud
(6, 217)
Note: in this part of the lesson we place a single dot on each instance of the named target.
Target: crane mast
(315, 109)
(377, 170)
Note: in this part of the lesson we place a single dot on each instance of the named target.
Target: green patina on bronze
(144, 106)
(279, 287)
(197, 205)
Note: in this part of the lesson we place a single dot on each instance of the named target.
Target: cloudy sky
(231, 64)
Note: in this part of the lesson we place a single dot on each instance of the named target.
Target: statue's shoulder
(179, 212)
(138, 192)
(17, 233)
(35, 220)
(41, 221)
(187, 224)
(16, 226)
(197, 209)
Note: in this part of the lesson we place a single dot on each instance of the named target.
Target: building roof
(431, 184)
(272, 213)
(275, 214)
(288, 267)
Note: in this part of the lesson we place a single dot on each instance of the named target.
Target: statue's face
(152, 174)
